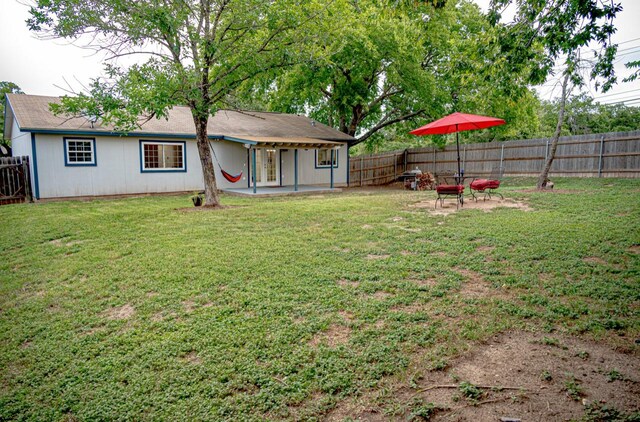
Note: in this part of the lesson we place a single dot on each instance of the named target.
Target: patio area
(281, 190)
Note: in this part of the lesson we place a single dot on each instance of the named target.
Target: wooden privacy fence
(15, 180)
(615, 154)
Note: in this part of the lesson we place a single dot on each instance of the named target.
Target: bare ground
(449, 206)
(553, 378)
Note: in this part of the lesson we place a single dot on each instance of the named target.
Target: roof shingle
(32, 112)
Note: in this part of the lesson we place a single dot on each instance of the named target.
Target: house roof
(33, 115)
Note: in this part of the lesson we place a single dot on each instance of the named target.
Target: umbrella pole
(458, 148)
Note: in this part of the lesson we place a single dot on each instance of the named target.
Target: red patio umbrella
(457, 122)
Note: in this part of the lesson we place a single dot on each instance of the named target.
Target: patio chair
(487, 187)
(448, 185)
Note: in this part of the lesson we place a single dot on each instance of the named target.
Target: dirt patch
(367, 226)
(634, 249)
(594, 260)
(407, 253)
(515, 375)
(380, 295)
(346, 315)
(189, 306)
(485, 248)
(192, 357)
(344, 283)
(486, 206)
(200, 209)
(430, 282)
(334, 336)
(63, 242)
(396, 219)
(374, 257)
(121, 312)
(410, 229)
(470, 275)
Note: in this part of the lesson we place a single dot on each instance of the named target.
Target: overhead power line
(615, 94)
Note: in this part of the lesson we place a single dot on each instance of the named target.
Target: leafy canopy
(195, 52)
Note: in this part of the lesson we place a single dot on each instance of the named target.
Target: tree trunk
(211, 197)
(542, 179)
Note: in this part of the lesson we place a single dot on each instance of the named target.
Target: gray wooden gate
(15, 180)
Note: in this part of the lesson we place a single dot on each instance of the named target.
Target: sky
(56, 67)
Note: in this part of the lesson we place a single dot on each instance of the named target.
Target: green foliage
(6, 88)
(392, 68)
(614, 375)
(546, 376)
(268, 309)
(573, 388)
(599, 412)
(584, 116)
(200, 53)
(470, 391)
(543, 33)
(421, 411)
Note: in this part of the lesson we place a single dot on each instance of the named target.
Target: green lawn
(279, 308)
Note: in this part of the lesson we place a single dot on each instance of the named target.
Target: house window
(80, 151)
(162, 156)
(323, 158)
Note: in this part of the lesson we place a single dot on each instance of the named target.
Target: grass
(279, 308)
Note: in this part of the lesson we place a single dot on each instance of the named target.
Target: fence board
(615, 154)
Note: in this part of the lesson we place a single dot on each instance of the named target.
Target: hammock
(230, 177)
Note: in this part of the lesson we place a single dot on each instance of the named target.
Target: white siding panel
(117, 170)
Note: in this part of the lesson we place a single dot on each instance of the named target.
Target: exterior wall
(117, 170)
(21, 146)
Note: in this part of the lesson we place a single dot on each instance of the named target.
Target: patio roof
(286, 142)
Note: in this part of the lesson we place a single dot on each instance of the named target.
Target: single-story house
(72, 157)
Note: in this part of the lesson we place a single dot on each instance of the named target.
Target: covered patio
(253, 143)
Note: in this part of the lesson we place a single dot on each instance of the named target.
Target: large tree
(6, 88)
(562, 30)
(196, 53)
(395, 65)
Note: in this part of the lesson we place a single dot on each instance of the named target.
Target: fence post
(434, 160)
(546, 150)
(406, 154)
(601, 159)
(501, 155)
(27, 179)
(395, 166)
(464, 158)
(361, 159)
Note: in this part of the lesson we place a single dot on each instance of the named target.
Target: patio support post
(333, 151)
(253, 169)
(295, 170)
